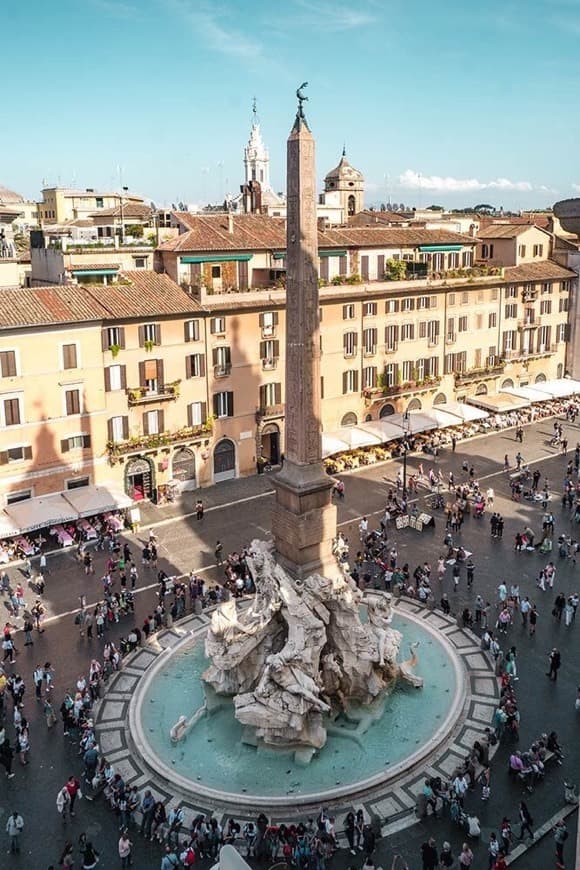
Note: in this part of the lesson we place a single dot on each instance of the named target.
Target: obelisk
(304, 519)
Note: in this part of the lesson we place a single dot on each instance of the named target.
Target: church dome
(343, 172)
(8, 197)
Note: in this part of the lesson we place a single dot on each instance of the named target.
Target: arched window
(368, 418)
(440, 399)
(386, 411)
(349, 419)
(224, 460)
(183, 467)
(481, 390)
(507, 383)
(351, 205)
(414, 405)
(541, 379)
(139, 479)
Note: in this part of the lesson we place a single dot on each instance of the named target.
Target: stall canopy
(559, 388)
(87, 501)
(442, 417)
(503, 403)
(466, 413)
(38, 513)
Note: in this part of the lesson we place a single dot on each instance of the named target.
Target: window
(269, 353)
(486, 251)
(99, 203)
(509, 340)
(270, 395)
(15, 454)
(268, 323)
(408, 331)
(564, 286)
(450, 329)
(216, 271)
(455, 363)
(223, 404)
(391, 337)
(72, 402)
(349, 343)
(492, 320)
(195, 365)
(69, 356)
(153, 422)
(370, 341)
(369, 309)
(407, 305)
(543, 339)
(511, 311)
(75, 442)
(462, 324)
(563, 304)
(479, 321)
(451, 299)
(391, 306)
(391, 373)
(407, 371)
(113, 336)
(115, 378)
(369, 377)
(422, 302)
(149, 333)
(21, 495)
(350, 381)
(8, 364)
(118, 428)
(465, 298)
(546, 306)
(477, 358)
(140, 262)
(492, 355)
(453, 260)
(196, 414)
(433, 332)
(222, 361)
(77, 482)
(521, 251)
(348, 312)
(432, 302)
(546, 288)
(561, 332)
(217, 326)
(511, 292)
(538, 250)
(433, 366)
(191, 330)
(151, 376)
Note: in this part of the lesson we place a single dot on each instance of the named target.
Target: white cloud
(206, 20)
(334, 17)
(413, 180)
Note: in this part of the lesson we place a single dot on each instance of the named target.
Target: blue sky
(447, 102)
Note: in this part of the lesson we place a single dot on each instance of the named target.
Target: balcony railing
(189, 434)
(142, 395)
(268, 411)
(378, 393)
(222, 371)
(530, 322)
(530, 353)
(479, 374)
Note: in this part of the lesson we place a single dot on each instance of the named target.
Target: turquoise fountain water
(213, 755)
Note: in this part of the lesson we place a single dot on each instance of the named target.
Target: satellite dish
(153, 206)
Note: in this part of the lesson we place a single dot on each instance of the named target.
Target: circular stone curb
(387, 797)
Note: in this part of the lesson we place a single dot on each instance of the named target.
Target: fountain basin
(366, 748)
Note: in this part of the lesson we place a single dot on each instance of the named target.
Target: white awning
(355, 436)
(331, 445)
(383, 429)
(88, 501)
(417, 421)
(530, 393)
(559, 388)
(7, 525)
(466, 413)
(41, 512)
(503, 403)
(441, 416)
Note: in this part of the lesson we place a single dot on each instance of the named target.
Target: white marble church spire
(256, 155)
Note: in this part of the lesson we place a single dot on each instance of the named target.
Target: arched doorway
(139, 479)
(224, 460)
(386, 411)
(541, 379)
(183, 468)
(349, 419)
(414, 405)
(271, 443)
(481, 390)
(507, 383)
(440, 399)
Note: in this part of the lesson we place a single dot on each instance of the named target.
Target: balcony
(484, 373)
(222, 371)
(269, 412)
(433, 341)
(408, 388)
(451, 338)
(163, 393)
(391, 348)
(529, 295)
(370, 351)
(187, 435)
(530, 353)
(269, 364)
(529, 322)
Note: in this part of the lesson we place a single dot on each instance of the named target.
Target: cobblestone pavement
(185, 544)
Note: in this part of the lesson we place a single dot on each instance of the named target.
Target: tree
(396, 270)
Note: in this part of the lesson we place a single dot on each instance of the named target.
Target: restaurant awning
(41, 512)
(530, 393)
(383, 429)
(500, 404)
(466, 413)
(87, 501)
(7, 526)
(331, 445)
(356, 436)
(559, 388)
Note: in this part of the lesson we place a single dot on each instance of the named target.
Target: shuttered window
(191, 330)
(118, 429)
(196, 414)
(12, 412)
(72, 402)
(223, 404)
(8, 364)
(69, 356)
(195, 365)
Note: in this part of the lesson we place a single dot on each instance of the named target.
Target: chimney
(473, 230)
(230, 223)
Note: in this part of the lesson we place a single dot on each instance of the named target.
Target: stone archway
(270, 443)
(183, 468)
(507, 383)
(349, 419)
(139, 478)
(540, 379)
(224, 460)
(386, 411)
(440, 399)
(481, 390)
(414, 405)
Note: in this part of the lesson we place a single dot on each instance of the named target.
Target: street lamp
(406, 424)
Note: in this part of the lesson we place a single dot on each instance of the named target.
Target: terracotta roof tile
(41, 306)
(88, 267)
(148, 294)
(505, 231)
(541, 271)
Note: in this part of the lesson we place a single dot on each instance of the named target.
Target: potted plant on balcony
(148, 344)
(115, 348)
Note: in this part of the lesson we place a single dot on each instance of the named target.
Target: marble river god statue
(300, 654)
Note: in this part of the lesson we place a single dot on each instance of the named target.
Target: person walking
(555, 661)
(526, 820)
(199, 509)
(14, 828)
(525, 608)
(125, 849)
(466, 856)
(63, 803)
(446, 858)
(66, 861)
(89, 854)
(219, 549)
(533, 620)
(429, 855)
(560, 832)
(73, 787)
